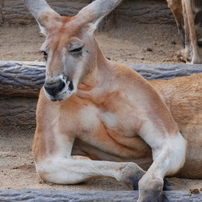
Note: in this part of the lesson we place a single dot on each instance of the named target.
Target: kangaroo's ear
(43, 13)
(94, 12)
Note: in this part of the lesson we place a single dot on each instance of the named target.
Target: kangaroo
(133, 130)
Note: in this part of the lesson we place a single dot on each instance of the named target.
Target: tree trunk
(1, 5)
(90, 195)
(25, 79)
(19, 79)
(20, 83)
(18, 112)
(138, 11)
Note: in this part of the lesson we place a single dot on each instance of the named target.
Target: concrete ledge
(86, 195)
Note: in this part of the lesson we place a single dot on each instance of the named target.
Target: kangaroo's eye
(76, 51)
(75, 47)
(45, 55)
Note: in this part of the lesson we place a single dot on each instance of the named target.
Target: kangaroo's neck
(97, 74)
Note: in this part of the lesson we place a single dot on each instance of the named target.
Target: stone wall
(141, 11)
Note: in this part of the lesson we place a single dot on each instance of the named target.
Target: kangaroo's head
(70, 49)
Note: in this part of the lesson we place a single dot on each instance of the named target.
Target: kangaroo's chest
(117, 113)
(107, 130)
(124, 122)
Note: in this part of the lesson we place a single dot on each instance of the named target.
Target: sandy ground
(127, 43)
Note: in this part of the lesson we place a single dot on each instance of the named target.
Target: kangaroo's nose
(53, 88)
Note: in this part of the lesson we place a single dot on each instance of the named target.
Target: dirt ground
(127, 43)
